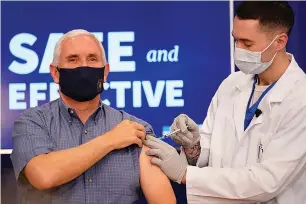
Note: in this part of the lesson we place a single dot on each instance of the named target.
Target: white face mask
(250, 62)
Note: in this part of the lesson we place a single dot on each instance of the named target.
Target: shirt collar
(70, 113)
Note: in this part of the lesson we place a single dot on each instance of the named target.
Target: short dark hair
(271, 14)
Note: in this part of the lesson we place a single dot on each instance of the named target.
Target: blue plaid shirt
(54, 126)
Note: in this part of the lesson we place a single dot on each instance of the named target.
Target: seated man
(77, 150)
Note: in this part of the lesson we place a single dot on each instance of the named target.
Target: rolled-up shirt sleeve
(30, 138)
(147, 126)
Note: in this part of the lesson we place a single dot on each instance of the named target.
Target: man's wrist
(107, 140)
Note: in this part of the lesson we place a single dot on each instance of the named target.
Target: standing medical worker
(252, 145)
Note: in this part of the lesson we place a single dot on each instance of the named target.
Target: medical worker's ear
(281, 41)
(106, 71)
(54, 73)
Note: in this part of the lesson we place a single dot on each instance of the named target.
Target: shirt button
(89, 180)
(86, 131)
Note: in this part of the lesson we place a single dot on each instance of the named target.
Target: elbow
(40, 179)
(270, 188)
(269, 194)
(41, 186)
(43, 182)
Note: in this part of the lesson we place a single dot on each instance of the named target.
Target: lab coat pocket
(264, 143)
(258, 148)
(255, 149)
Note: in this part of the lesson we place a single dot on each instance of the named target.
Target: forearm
(192, 154)
(57, 168)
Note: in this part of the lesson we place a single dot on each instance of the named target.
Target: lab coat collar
(283, 86)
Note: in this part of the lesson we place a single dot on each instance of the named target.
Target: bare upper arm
(154, 183)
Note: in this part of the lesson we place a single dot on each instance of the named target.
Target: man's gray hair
(71, 34)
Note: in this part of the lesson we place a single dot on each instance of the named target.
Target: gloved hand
(187, 137)
(174, 165)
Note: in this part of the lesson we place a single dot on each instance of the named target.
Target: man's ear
(54, 73)
(282, 41)
(106, 71)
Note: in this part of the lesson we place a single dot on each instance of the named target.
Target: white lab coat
(230, 169)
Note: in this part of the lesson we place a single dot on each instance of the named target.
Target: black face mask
(81, 83)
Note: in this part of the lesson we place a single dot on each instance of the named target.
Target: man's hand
(127, 133)
(189, 135)
(167, 158)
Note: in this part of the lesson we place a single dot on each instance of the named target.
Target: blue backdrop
(166, 58)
